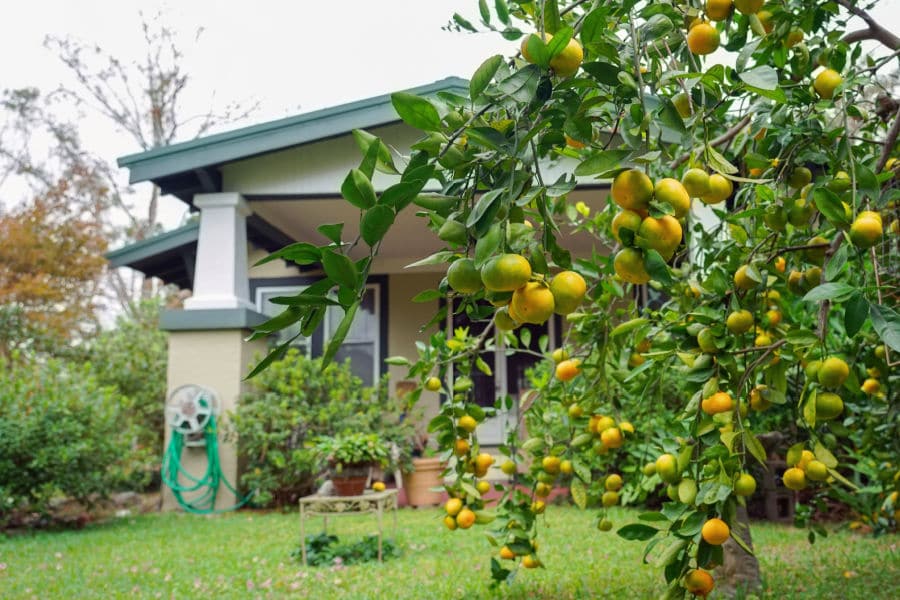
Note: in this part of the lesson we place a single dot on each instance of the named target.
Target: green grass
(247, 555)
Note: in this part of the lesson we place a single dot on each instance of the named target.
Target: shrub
(61, 435)
(294, 402)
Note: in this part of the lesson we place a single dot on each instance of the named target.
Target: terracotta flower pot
(426, 474)
(349, 486)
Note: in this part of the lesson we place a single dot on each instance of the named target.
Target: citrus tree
(742, 285)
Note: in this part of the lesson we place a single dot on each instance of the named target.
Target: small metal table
(326, 506)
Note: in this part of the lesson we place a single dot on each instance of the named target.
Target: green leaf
(856, 310)
(482, 205)
(559, 41)
(416, 112)
(836, 263)
(652, 516)
(740, 542)
(357, 190)
(593, 27)
(427, 296)
(340, 269)
(601, 162)
(551, 16)
(718, 162)
(304, 300)
(439, 257)
(488, 137)
(483, 75)
(300, 253)
(401, 194)
(755, 448)
(801, 337)
(837, 292)
(669, 116)
(522, 85)
(627, 326)
(776, 94)
(487, 245)
(824, 455)
(337, 338)
(485, 11)
(762, 77)
(276, 354)
(367, 166)
(364, 141)
(637, 531)
(463, 23)
(502, 11)
(809, 409)
(746, 52)
(887, 325)
(829, 204)
(332, 231)
(657, 267)
(579, 493)
(376, 223)
(867, 182)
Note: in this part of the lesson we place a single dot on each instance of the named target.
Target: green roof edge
(153, 245)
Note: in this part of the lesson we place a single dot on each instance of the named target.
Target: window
(362, 344)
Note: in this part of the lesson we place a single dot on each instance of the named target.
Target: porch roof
(192, 167)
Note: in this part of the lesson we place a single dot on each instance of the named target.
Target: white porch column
(220, 274)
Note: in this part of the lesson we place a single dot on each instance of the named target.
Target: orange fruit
(718, 10)
(632, 189)
(720, 189)
(696, 182)
(715, 532)
(663, 234)
(794, 479)
(506, 553)
(707, 341)
(870, 386)
(780, 264)
(432, 384)
(703, 39)
(379, 486)
(566, 467)
(833, 372)
(523, 47)
(614, 482)
(467, 423)
(530, 562)
(612, 438)
(465, 518)
(717, 403)
(453, 506)
(559, 355)
(506, 273)
(745, 485)
(828, 406)
(698, 582)
(740, 321)
(609, 499)
(551, 464)
(826, 82)
(599, 424)
(503, 320)
(805, 458)
(533, 302)
(765, 18)
(567, 370)
(461, 447)
(483, 487)
(758, 399)
(627, 219)
(450, 523)
(794, 37)
(566, 63)
(629, 265)
(816, 471)
(800, 177)
(568, 289)
(667, 468)
(674, 193)
(774, 317)
(742, 281)
(463, 277)
(748, 7)
(573, 143)
(866, 230)
(508, 467)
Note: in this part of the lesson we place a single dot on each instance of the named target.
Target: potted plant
(422, 474)
(350, 457)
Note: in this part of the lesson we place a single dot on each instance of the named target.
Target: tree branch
(889, 141)
(874, 31)
(722, 139)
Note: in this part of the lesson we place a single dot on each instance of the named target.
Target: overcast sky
(291, 55)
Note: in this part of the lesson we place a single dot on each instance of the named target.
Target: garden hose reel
(190, 410)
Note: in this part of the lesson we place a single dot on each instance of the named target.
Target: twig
(759, 348)
(889, 142)
(759, 361)
(722, 139)
(459, 131)
(826, 304)
(874, 31)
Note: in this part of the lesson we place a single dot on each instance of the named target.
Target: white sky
(290, 55)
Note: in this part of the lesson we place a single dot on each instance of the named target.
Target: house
(259, 188)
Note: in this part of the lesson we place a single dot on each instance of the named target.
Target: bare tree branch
(722, 139)
(874, 31)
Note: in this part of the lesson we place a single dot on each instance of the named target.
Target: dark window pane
(362, 359)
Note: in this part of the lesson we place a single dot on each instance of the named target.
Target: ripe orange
(483, 487)
(698, 582)
(542, 490)
(432, 384)
(567, 370)
(566, 63)
(629, 265)
(833, 372)
(742, 280)
(538, 507)
(573, 143)
(826, 82)
(508, 467)
(614, 482)
(870, 386)
(717, 403)
(740, 321)
(816, 471)
(483, 462)
(662, 234)
(463, 277)
(745, 485)
(720, 188)
(866, 230)
(793, 38)
(568, 289)
(378, 486)
(758, 399)
(696, 182)
(533, 303)
(780, 264)
(461, 447)
(450, 523)
(609, 498)
(715, 531)
(765, 18)
(612, 438)
(703, 39)
(667, 468)
(506, 273)
(773, 317)
(632, 189)
(551, 464)
(718, 10)
(599, 424)
(828, 406)
(794, 479)
(465, 518)
(506, 553)
(674, 192)
(530, 562)
(627, 219)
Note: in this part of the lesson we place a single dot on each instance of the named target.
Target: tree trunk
(741, 569)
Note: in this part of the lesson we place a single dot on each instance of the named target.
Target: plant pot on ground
(422, 474)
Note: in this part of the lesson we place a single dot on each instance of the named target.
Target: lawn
(247, 555)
